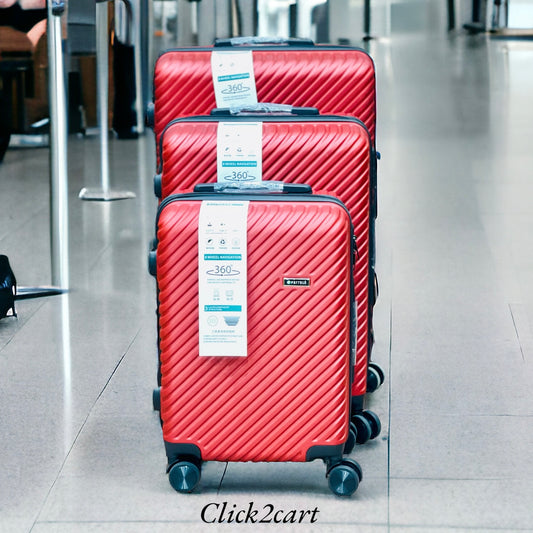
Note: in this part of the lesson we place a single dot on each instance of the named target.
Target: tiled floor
(80, 446)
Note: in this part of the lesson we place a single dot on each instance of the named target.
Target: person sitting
(22, 25)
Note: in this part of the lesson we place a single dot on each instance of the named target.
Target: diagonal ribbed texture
(340, 82)
(329, 156)
(292, 391)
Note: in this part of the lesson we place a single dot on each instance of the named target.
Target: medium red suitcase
(289, 398)
(337, 80)
(329, 153)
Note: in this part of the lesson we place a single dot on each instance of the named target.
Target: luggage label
(222, 278)
(233, 78)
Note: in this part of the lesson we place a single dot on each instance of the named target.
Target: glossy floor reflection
(81, 447)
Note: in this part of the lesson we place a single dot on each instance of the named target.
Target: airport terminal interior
(81, 447)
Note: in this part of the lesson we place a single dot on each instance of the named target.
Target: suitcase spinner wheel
(368, 426)
(156, 399)
(184, 476)
(352, 439)
(344, 477)
(375, 377)
(375, 424)
(364, 429)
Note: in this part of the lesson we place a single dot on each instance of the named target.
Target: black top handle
(262, 41)
(264, 109)
(261, 187)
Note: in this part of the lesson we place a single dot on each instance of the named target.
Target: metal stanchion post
(58, 161)
(102, 76)
(149, 59)
(451, 15)
(137, 57)
(478, 24)
(58, 148)
(366, 24)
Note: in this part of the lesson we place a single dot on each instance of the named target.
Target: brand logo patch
(296, 282)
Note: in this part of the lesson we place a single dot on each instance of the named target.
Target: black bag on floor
(8, 288)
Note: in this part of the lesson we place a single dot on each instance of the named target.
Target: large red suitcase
(329, 153)
(337, 80)
(289, 398)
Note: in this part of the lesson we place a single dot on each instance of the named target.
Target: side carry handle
(264, 109)
(262, 41)
(266, 187)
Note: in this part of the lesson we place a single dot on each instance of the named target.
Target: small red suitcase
(289, 398)
(337, 80)
(329, 153)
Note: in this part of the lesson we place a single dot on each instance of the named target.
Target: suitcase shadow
(282, 479)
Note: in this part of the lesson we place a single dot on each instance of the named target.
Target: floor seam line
(222, 478)
(516, 332)
(82, 426)
(390, 410)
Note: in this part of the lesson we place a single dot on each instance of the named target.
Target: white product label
(222, 278)
(239, 152)
(233, 78)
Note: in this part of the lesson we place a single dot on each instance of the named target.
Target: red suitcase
(329, 153)
(337, 80)
(289, 398)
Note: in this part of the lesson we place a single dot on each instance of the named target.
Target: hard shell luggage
(330, 153)
(288, 397)
(337, 80)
